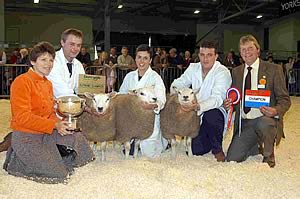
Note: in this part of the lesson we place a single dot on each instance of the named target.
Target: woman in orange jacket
(42, 148)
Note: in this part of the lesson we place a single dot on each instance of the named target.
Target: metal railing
(8, 72)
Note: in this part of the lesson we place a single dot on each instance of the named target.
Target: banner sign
(91, 83)
(289, 6)
(257, 98)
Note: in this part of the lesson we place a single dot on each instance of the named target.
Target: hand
(190, 107)
(268, 111)
(179, 66)
(227, 103)
(148, 106)
(63, 128)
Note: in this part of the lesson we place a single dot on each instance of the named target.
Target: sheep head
(100, 102)
(186, 95)
(146, 94)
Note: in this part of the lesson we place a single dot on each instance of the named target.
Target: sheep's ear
(132, 92)
(173, 90)
(89, 95)
(196, 91)
(112, 94)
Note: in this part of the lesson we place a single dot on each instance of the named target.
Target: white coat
(212, 89)
(155, 144)
(63, 84)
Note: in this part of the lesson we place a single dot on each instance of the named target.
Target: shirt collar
(35, 76)
(254, 66)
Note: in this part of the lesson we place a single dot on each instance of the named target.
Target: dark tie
(247, 86)
(70, 68)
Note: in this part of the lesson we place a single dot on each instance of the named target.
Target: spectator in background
(14, 57)
(271, 60)
(125, 61)
(296, 66)
(236, 58)
(84, 57)
(174, 59)
(23, 59)
(229, 61)
(2, 57)
(156, 58)
(113, 57)
(187, 59)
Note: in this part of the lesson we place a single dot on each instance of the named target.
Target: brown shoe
(220, 156)
(270, 160)
(6, 143)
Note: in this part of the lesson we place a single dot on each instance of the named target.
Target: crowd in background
(162, 59)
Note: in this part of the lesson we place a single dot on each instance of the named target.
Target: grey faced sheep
(175, 121)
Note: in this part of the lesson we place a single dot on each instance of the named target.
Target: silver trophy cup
(70, 107)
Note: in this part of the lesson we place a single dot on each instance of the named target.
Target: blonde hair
(249, 38)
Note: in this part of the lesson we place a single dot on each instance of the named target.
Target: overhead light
(120, 4)
(196, 11)
(259, 16)
(36, 1)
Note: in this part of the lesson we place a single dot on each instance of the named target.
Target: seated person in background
(36, 129)
(125, 60)
(213, 79)
(84, 57)
(257, 126)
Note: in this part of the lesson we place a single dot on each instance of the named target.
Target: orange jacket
(32, 104)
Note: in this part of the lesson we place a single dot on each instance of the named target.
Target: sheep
(98, 124)
(124, 118)
(132, 120)
(175, 121)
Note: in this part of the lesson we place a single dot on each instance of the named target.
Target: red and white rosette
(235, 95)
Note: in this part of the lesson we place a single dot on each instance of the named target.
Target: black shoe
(270, 160)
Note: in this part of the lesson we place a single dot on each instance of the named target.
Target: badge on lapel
(262, 83)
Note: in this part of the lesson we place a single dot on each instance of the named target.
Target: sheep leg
(183, 141)
(127, 149)
(95, 146)
(136, 148)
(103, 150)
(173, 147)
(189, 146)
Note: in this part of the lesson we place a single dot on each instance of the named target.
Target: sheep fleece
(132, 121)
(174, 121)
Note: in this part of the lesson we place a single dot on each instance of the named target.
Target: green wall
(28, 29)
(282, 36)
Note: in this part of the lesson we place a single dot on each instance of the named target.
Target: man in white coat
(213, 79)
(66, 69)
(144, 76)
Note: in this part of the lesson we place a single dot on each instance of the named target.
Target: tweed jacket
(275, 82)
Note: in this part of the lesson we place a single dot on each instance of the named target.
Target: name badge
(261, 86)
(257, 98)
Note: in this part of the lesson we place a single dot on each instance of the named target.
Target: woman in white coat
(144, 76)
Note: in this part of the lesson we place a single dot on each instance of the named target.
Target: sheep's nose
(100, 109)
(154, 99)
(185, 97)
